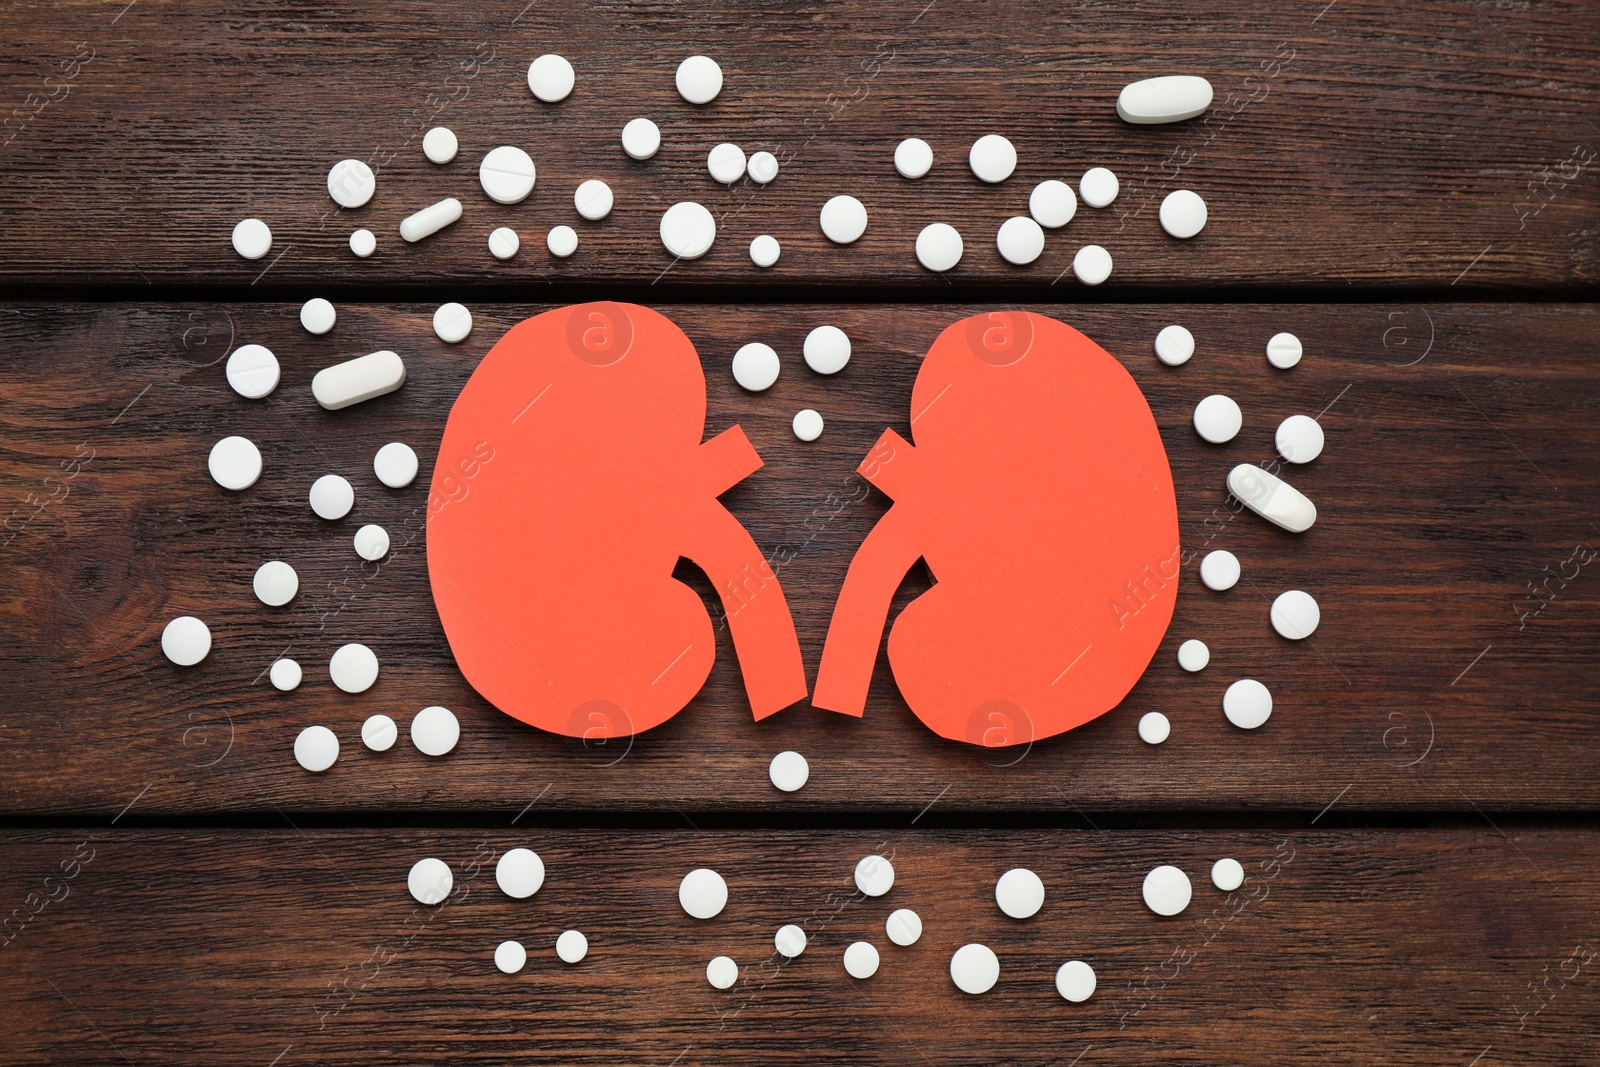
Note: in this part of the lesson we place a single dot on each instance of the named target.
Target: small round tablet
(395, 465)
(510, 956)
(913, 157)
(1247, 703)
(351, 183)
(275, 583)
(763, 168)
(974, 968)
(861, 960)
(1020, 240)
(726, 163)
(252, 371)
(1299, 439)
(1295, 614)
(641, 138)
(1098, 187)
(251, 238)
(1091, 265)
(827, 349)
(1219, 570)
(1174, 345)
(317, 315)
(332, 496)
(1193, 655)
(186, 640)
(1020, 893)
(519, 873)
(435, 730)
(440, 145)
(1284, 350)
(844, 219)
(1166, 890)
(722, 972)
(353, 668)
(703, 893)
(992, 158)
(372, 542)
(506, 175)
(939, 247)
(1218, 419)
(699, 79)
(1183, 213)
(789, 770)
(1075, 981)
(903, 926)
(807, 424)
(234, 463)
(550, 77)
(379, 733)
(755, 366)
(790, 941)
(430, 881)
(572, 946)
(1227, 875)
(452, 322)
(688, 229)
(504, 242)
(874, 876)
(1052, 204)
(316, 749)
(363, 243)
(593, 199)
(285, 675)
(562, 241)
(1154, 728)
(764, 250)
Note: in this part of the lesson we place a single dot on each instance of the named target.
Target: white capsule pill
(687, 230)
(285, 675)
(504, 242)
(699, 79)
(1227, 874)
(431, 219)
(722, 972)
(379, 733)
(1019, 893)
(332, 496)
(1295, 614)
(351, 183)
(992, 158)
(1247, 703)
(1075, 981)
(874, 875)
(353, 668)
(1172, 98)
(1284, 350)
(1020, 240)
(764, 250)
(572, 946)
(435, 731)
(807, 424)
(372, 542)
(844, 219)
(251, 238)
(763, 168)
(789, 771)
(252, 371)
(316, 749)
(974, 968)
(550, 77)
(430, 881)
(506, 174)
(234, 463)
(903, 926)
(641, 138)
(1167, 890)
(452, 322)
(562, 241)
(861, 960)
(1098, 187)
(1218, 419)
(395, 465)
(1272, 498)
(1299, 439)
(519, 873)
(1193, 655)
(1052, 204)
(790, 941)
(1174, 345)
(1183, 213)
(703, 893)
(440, 145)
(913, 157)
(317, 315)
(363, 243)
(827, 349)
(510, 957)
(275, 583)
(1154, 728)
(593, 199)
(755, 366)
(939, 247)
(1220, 570)
(186, 640)
(726, 163)
(355, 380)
(1091, 265)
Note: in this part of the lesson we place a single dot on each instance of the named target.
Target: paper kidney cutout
(570, 480)
(1039, 495)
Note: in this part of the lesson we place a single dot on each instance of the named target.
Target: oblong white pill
(939, 247)
(903, 926)
(234, 463)
(316, 749)
(1091, 265)
(1299, 439)
(440, 145)
(843, 219)
(789, 771)
(519, 873)
(861, 960)
(285, 675)
(755, 367)
(318, 315)
(1183, 213)
(1247, 703)
(332, 496)
(688, 229)
(252, 239)
(550, 78)
(1284, 350)
(363, 243)
(593, 199)
(1019, 893)
(1154, 728)
(1170, 98)
(1227, 874)
(726, 163)
(790, 941)
(379, 733)
(807, 424)
(722, 972)
(351, 183)
(1075, 981)
(1052, 204)
(562, 241)
(974, 968)
(1167, 890)
(1217, 418)
(1219, 570)
(355, 380)
(510, 957)
(452, 323)
(874, 875)
(275, 583)
(435, 731)
(353, 668)
(372, 542)
(1020, 240)
(827, 349)
(703, 893)
(430, 881)
(186, 640)
(1098, 187)
(252, 371)
(506, 174)
(641, 138)
(763, 168)
(699, 79)
(395, 465)
(992, 158)
(1193, 655)
(764, 250)
(572, 946)
(431, 219)
(913, 157)
(1272, 498)
(1295, 614)
(504, 242)
(1174, 345)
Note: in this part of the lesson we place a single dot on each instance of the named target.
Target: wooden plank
(1366, 142)
(1455, 665)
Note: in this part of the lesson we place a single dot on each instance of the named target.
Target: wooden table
(1412, 189)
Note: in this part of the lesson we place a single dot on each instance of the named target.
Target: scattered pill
(251, 238)
(903, 926)
(1166, 890)
(641, 138)
(699, 79)
(687, 229)
(807, 424)
(562, 241)
(1092, 265)
(332, 496)
(755, 366)
(363, 243)
(395, 465)
(504, 242)
(355, 380)
(431, 219)
(789, 770)
(764, 250)
(572, 946)
(1154, 728)
(1174, 345)
(550, 77)
(440, 145)
(726, 163)
(452, 322)
(435, 731)
(992, 158)
(874, 876)
(593, 199)
(913, 157)
(1098, 187)
(430, 881)
(235, 463)
(1295, 614)
(351, 183)
(1183, 213)
(1075, 981)
(519, 873)
(763, 168)
(1299, 439)
(353, 668)
(379, 733)
(861, 960)
(1020, 893)
(827, 349)
(316, 749)
(1218, 419)
(703, 893)
(1171, 98)
(1272, 498)
(1219, 570)
(186, 640)
(1247, 704)
(1284, 350)
(844, 219)
(275, 583)
(1052, 204)
(790, 941)
(506, 174)
(974, 968)
(722, 972)
(1193, 655)
(939, 247)
(510, 957)
(372, 542)
(285, 675)
(317, 315)
(252, 371)
(1020, 240)
(1227, 875)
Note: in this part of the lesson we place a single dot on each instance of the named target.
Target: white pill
(699, 79)
(939, 247)
(1092, 265)
(1295, 614)
(332, 496)
(1154, 728)
(355, 380)
(1020, 893)
(764, 250)
(351, 183)
(372, 542)
(504, 242)
(316, 749)
(974, 968)
(1174, 345)
(506, 174)
(1193, 655)
(1020, 240)
(550, 77)
(519, 873)
(285, 675)
(1284, 350)
(317, 315)
(395, 465)
(186, 640)
(874, 875)
(1220, 570)
(1299, 439)
(251, 238)
(1227, 875)
(722, 972)
(234, 463)
(807, 424)
(789, 770)
(252, 371)
(379, 733)
(763, 168)
(1052, 204)
(827, 349)
(1171, 98)
(687, 229)
(435, 731)
(562, 241)
(1183, 213)
(572, 946)
(593, 199)
(452, 322)
(844, 219)
(275, 583)
(755, 366)
(790, 941)
(861, 960)
(431, 219)
(992, 158)
(903, 926)
(1075, 981)
(1098, 187)
(726, 163)
(1272, 498)
(363, 243)
(703, 893)
(510, 957)
(440, 145)
(1218, 419)
(913, 157)
(1167, 890)
(641, 138)
(430, 881)
(353, 668)
(1247, 703)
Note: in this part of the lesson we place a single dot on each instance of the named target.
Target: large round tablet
(1247, 703)
(1052, 204)
(275, 583)
(285, 675)
(903, 926)
(827, 349)
(641, 138)
(992, 158)
(790, 941)
(699, 79)
(503, 242)
(353, 668)
(1174, 345)
(1020, 893)
(186, 640)
(1183, 213)
(1091, 265)
(1227, 875)
(789, 771)
(807, 424)
(1295, 614)
(764, 250)
(440, 145)
(351, 183)
(1098, 187)
(755, 366)
(939, 247)
(316, 749)
(430, 881)
(395, 465)
(363, 243)
(703, 893)
(1217, 418)
(372, 542)
(687, 229)
(519, 873)
(726, 163)
(974, 968)
(506, 175)
(1299, 439)
(318, 315)
(452, 322)
(1166, 890)
(251, 238)
(861, 960)
(510, 956)
(593, 199)
(763, 168)
(1284, 350)
(1193, 655)
(874, 875)
(550, 77)
(844, 219)
(572, 946)
(913, 157)
(435, 731)
(252, 371)
(332, 496)
(562, 241)
(1219, 570)
(235, 463)
(1020, 240)
(722, 972)
(379, 733)
(1075, 981)
(1154, 728)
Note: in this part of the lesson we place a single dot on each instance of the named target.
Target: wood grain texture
(1365, 142)
(1455, 666)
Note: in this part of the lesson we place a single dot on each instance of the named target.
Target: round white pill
(562, 241)
(186, 640)
(641, 138)
(1098, 187)
(452, 322)
(703, 893)
(1284, 350)
(844, 219)
(572, 946)
(1193, 655)
(440, 145)
(1227, 875)
(1295, 614)
(251, 238)
(1183, 213)
(1166, 890)
(506, 175)
(379, 733)
(790, 941)
(353, 668)
(316, 749)
(275, 583)
(1092, 265)
(363, 243)
(827, 349)
(252, 371)
(861, 960)
(699, 79)
(1052, 204)
(430, 881)
(285, 675)
(807, 424)
(510, 956)
(974, 968)
(1020, 240)
(764, 250)
(519, 873)
(992, 158)
(726, 163)
(789, 770)
(939, 247)
(504, 242)
(435, 731)
(1247, 704)
(1020, 893)
(351, 183)
(1218, 419)
(593, 199)
(332, 496)
(372, 542)
(874, 876)
(395, 465)
(1174, 345)
(1220, 570)
(234, 463)
(1299, 439)
(1154, 728)
(755, 366)
(763, 168)
(722, 972)
(1075, 981)
(317, 315)
(687, 229)
(903, 926)
(913, 157)
(551, 77)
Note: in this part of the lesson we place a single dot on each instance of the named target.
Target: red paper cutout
(1038, 492)
(570, 480)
